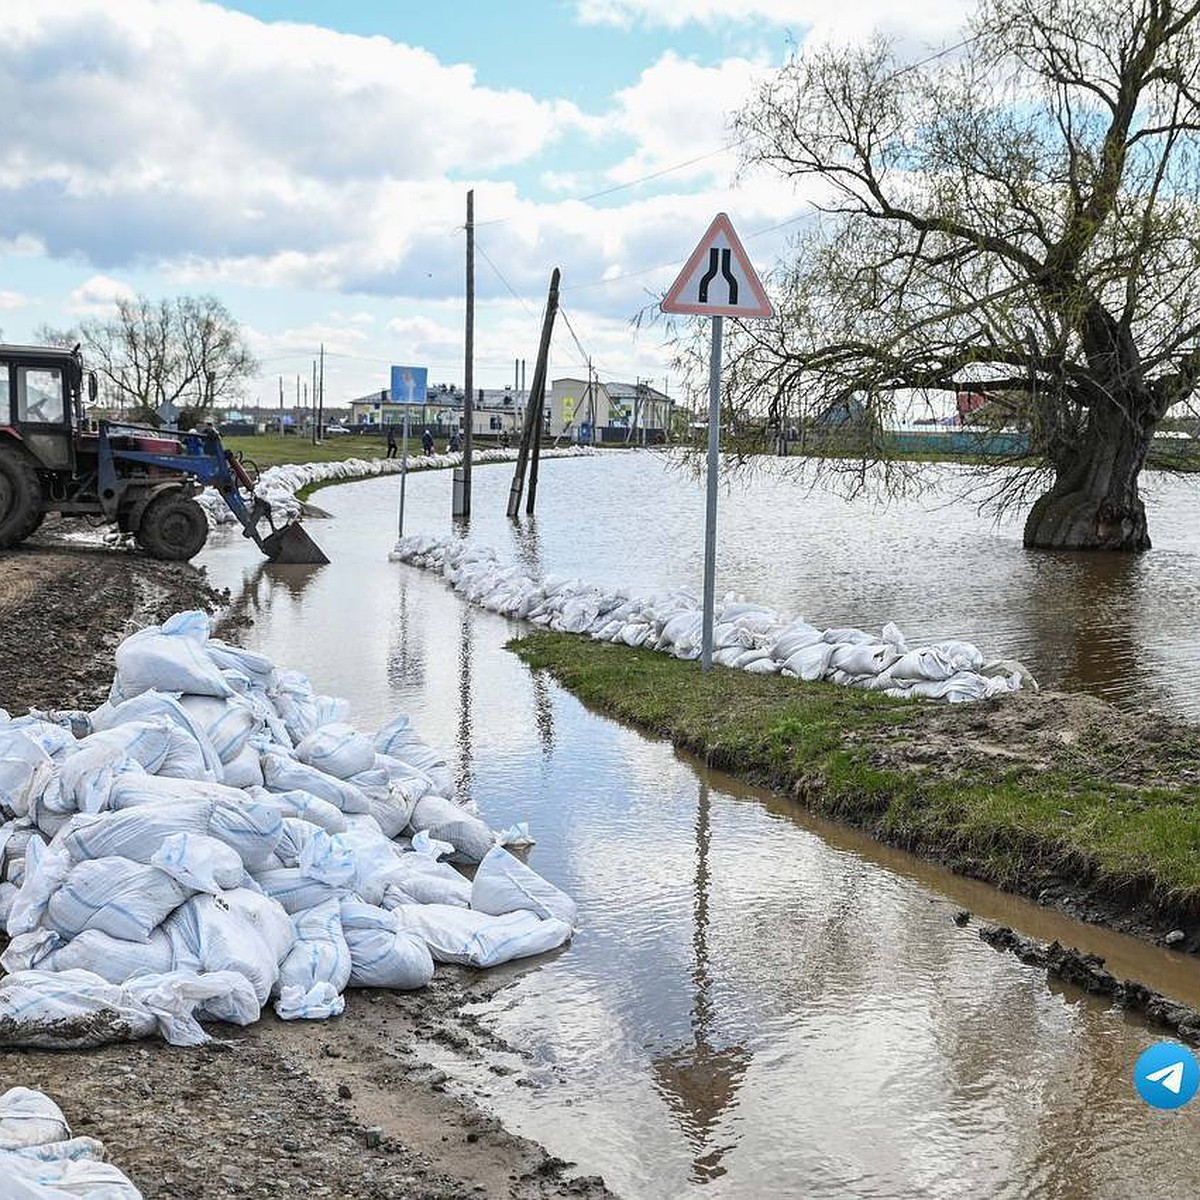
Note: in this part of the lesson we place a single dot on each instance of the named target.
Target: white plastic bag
(504, 884)
(476, 939)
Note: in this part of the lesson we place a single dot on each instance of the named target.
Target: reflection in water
(700, 1081)
(528, 545)
(263, 583)
(758, 1004)
(543, 711)
(406, 648)
(466, 749)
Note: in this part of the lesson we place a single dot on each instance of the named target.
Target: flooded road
(756, 1004)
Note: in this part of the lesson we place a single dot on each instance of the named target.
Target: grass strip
(995, 790)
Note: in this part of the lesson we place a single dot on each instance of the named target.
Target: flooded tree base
(1081, 521)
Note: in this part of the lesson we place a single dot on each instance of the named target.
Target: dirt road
(343, 1108)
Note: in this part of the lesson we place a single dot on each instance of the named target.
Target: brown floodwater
(757, 1003)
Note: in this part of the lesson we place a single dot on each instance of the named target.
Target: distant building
(608, 412)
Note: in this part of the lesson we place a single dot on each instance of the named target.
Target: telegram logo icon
(1167, 1075)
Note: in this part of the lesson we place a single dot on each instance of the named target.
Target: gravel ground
(345, 1108)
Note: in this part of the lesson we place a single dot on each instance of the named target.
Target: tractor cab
(41, 401)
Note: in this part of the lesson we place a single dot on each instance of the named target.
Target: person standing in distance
(391, 443)
(427, 441)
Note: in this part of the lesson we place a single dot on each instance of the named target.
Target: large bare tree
(1018, 215)
(188, 352)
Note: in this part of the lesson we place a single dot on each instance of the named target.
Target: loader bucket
(291, 544)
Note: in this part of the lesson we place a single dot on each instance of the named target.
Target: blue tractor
(141, 479)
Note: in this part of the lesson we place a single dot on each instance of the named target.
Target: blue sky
(307, 161)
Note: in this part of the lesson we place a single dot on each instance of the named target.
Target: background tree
(189, 352)
(1017, 216)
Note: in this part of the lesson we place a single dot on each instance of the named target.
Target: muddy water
(755, 1005)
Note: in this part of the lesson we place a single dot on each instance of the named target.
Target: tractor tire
(173, 527)
(20, 497)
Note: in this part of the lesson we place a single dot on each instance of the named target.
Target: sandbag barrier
(217, 836)
(746, 636)
(278, 485)
(39, 1158)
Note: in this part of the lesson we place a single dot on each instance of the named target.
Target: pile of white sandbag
(278, 485)
(747, 636)
(40, 1160)
(216, 836)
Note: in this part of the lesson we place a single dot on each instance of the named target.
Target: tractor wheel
(174, 527)
(20, 497)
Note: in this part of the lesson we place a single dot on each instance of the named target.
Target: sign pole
(403, 466)
(710, 511)
(717, 281)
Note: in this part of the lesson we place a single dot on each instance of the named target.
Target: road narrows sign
(718, 280)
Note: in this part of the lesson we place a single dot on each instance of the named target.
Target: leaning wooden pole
(534, 403)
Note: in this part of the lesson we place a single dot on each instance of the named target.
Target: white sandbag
(171, 657)
(238, 930)
(328, 858)
(199, 862)
(794, 637)
(252, 828)
(65, 1179)
(297, 833)
(476, 939)
(155, 706)
(284, 774)
(87, 777)
(45, 869)
(319, 955)
(132, 789)
(178, 998)
(810, 662)
(765, 665)
(255, 666)
(28, 1118)
(295, 703)
(68, 1010)
(338, 750)
(857, 659)
(115, 960)
(447, 822)
(26, 770)
(295, 890)
(382, 956)
(58, 737)
(418, 879)
(245, 769)
(504, 884)
(307, 807)
(937, 662)
(843, 636)
(8, 893)
(134, 833)
(228, 723)
(116, 896)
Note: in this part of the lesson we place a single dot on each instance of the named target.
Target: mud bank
(1087, 971)
(349, 1108)
(1060, 798)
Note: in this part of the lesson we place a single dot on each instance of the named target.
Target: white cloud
(819, 20)
(13, 300)
(98, 296)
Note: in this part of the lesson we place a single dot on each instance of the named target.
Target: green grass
(857, 756)
(272, 449)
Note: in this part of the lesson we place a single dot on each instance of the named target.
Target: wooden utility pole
(469, 365)
(312, 409)
(321, 394)
(533, 406)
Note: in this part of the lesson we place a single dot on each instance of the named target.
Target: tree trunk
(1094, 504)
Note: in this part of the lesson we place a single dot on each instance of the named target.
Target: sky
(307, 162)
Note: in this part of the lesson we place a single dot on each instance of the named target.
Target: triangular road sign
(718, 280)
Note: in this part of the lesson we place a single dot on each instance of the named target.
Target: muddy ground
(342, 1108)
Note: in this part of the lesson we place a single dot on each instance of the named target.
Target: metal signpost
(717, 281)
(408, 383)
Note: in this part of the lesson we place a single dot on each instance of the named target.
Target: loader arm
(206, 460)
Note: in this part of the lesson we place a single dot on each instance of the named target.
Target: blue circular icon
(1167, 1075)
